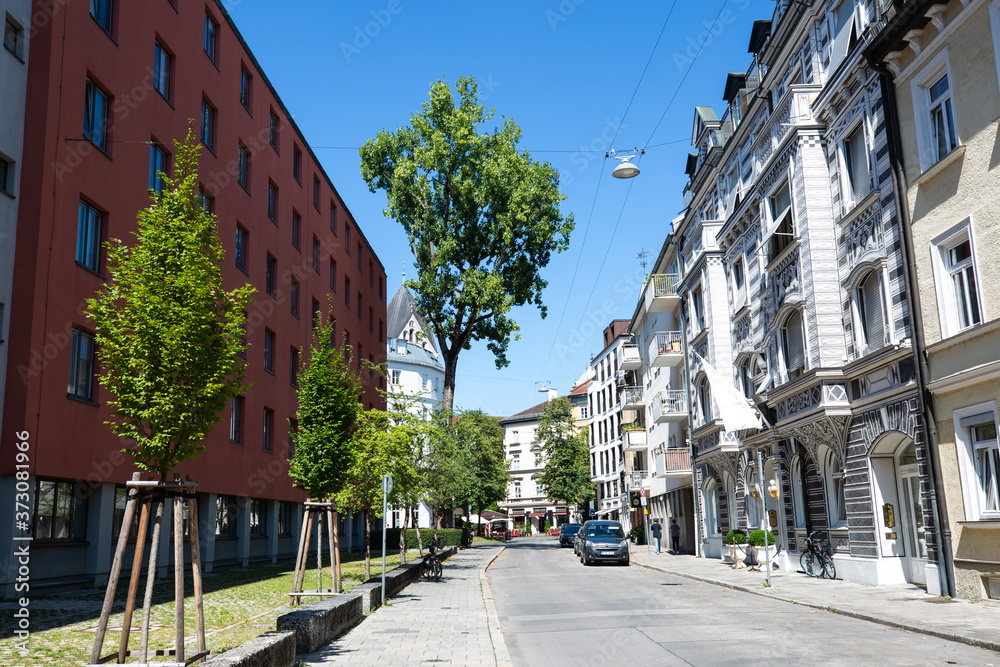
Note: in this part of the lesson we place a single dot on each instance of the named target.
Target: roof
(734, 82)
(707, 114)
(533, 412)
(415, 355)
(580, 389)
(758, 36)
(398, 313)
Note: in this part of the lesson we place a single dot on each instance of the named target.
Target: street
(555, 611)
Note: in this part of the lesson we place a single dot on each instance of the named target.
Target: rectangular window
(162, 61)
(258, 523)
(81, 365)
(333, 275)
(284, 518)
(60, 511)
(371, 320)
(870, 318)
(381, 289)
(987, 458)
(225, 516)
(268, 430)
(95, 115)
(942, 118)
(243, 167)
(316, 192)
(13, 38)
(347, 237)
(296, 228)
(359, 257)
(101, 11)
(359, 306)
(88, 237)
(272, 202)
(293, 432)
(394, 378)
(314, 314)
(242, 351)
(697, 310)
(208, 125)
(245, 82)
(293, 367)
(380, 330)
(270, 274)
(157, 167)
(780, 233)
(272, 131)
(242, 236)
(315, 257)
(297, 164)
(979, 461)
(6, 176)
(934, 111)
(333, 217)
(211, 32)
(793, 348)
(268, 350)
(957, 281)
(371, 273)
(856, 162)
(295, 297)
(236, 420)
(517, 488)
(347, 291)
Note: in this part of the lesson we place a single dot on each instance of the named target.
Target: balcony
(670, 406)
(638, 478)
(665, 350)
(660, 294)
(628, 357)
(673, 463)
(631, 398)
(635, 440)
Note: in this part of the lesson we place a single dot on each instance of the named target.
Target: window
(359, 307)
(272, 202)
(243, 167)
(333, 275)
(315, 257)
(856, 164)
(157, 167)
(284, 519)
(270, 273)
(208, 125)
(316, 192)
(314, 315)
(296, 228)
(242, 351)
(934, 111)
(752, 493)
(745, 379)
(394, 378)
(101, 11)
(781, 233)
(272, 131)
(843, 32)
(236, 420)
(739, 284)
(538, 459)
(371, 320)
(241, 248)
(697, 311)
(833, 478)
(515, 461)
(333, 217)
(245, 82)
(359, 257)
(792, 346)
(13, 38)
(869, 317)
(959, 302)
(6, 176)
(294, 288)
(81, 365)
(347, 237)
(269, 351)
(798, 492)
(95, 115)
(121, 498)
(297, 164)
(942, 118)
(979, 461)
(225, 516)
(347, 291)
(268, 430)
(162, 61)
(710, 496)
(703, 395)
(88, 237)
(517, 489)
(60, 511)
(380, 329)
(381, 289)
(293, 431)
(211, 32)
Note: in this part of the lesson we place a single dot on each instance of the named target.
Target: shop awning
(537, 514)
(560, 512)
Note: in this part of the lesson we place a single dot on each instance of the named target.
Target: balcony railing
(660, 295)
(665, 350)
(638, 478)
(670, 406)
(672, 462)
(629, 358)
(632, 398)
(635, 440)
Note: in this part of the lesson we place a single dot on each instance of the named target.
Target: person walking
(656, 529)
(675, 536)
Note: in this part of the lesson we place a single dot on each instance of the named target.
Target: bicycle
(817, 561)
(431, 568)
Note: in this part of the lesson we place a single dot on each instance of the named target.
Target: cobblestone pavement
(901, 606)
(450, 622)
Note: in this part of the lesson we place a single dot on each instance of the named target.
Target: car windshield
(606, 530)
(571, 530)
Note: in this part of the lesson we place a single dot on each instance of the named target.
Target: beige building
(942, 61)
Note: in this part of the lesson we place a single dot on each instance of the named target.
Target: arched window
(869, 314)
(793, 346)
(752, 503)
(704, 401)
(798, 493)
(833, 480)
(710, 496)
(731, 501)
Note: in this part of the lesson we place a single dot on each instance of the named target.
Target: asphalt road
(554, 611)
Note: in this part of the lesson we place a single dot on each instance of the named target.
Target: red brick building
(111, 85)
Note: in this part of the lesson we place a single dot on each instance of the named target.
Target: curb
(912, 627)
(496, 634)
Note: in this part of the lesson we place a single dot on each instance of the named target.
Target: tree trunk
(416, 524)
(450, 359)
(402, 539)
(368, 546)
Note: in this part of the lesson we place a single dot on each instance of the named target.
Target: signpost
(645, 516)
(386, 490)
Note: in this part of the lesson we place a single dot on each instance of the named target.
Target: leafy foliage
(484, 476)
(566, 476)
(482, 219)
(168, 332)
(736, 537)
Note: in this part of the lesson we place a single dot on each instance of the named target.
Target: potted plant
(637, 534)
(736, 539)
(632, 426)
(756, 541)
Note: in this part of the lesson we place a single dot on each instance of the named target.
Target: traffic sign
(642, 492)
(642, 500)
(387, 484)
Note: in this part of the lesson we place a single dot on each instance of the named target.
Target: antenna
(642, 255)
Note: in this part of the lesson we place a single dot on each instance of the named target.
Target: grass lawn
(239, 605)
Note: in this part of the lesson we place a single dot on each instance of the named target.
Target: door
(909, 481)
(889, 515)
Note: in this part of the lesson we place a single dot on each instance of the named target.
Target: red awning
(538, 514)
(561, 513)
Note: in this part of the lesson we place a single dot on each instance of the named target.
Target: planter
(737, 553)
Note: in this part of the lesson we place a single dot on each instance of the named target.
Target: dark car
(567, 532)
(578, 542)
(603, 541)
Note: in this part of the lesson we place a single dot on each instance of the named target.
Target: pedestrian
(656, 529)
(675, 536)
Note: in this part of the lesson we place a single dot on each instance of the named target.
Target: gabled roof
(398, 313)
(580, 389)
(734, 82)
(534, 412)
(758, 36)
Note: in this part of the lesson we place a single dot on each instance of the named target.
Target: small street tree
(566, 476)
(479, 439)
(442, 467)
(482, 219)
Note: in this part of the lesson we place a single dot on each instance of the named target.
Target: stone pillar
(243, 531)
(206, 529)
(272, 530)
(100, 517)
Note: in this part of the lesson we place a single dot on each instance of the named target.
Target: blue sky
(566, 72)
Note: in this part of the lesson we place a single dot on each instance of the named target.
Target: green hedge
(452, 537)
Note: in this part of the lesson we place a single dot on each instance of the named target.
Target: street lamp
(626, 169)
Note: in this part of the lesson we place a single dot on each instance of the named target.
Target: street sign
(591, 511)
(635, 501)
(642, 499)
(387, 484)
(642, 493)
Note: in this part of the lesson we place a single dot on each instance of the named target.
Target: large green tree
(167, 331)
(566, 476)
(485, 476)
(481, 217)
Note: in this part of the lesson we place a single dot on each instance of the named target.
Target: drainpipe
(939, 507)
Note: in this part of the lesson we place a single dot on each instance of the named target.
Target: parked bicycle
(816, 560)
(431, 568)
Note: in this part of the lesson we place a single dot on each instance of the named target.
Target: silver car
(602, 541)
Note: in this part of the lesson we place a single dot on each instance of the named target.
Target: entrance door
(909, 481)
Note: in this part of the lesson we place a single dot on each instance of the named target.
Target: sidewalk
(451, 622)
(900, 606)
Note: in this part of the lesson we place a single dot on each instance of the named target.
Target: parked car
(567, 532)
(603, 541)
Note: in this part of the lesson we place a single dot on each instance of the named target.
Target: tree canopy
(481, 217)
(566, 476)
(484, 476)
(167, 331)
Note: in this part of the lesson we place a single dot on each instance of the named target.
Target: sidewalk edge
(912, 627)
(492, 619)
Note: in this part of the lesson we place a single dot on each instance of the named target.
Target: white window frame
(783, 346)
(739, 290)
(864, 346)
(517, 489)
(968, 471)
(798, 493)
(946, 298)
(515, 461)
(919, 91)
(835, 502)
(847, 188)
